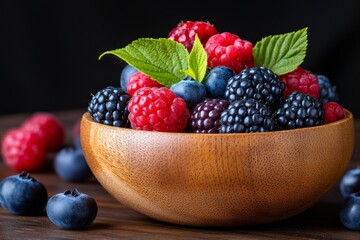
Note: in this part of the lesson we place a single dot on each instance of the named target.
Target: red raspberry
(185, 33)
(48, 127)
(23, 150)
(229, 50)
(301, 80)
(333, 112)
(139, 80)
(158, 109)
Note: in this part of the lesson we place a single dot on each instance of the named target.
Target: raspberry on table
(24, 150)
(110, 106)
(299, 110)
(158, 109)
(139, 80)
(301, 80)
(185, 32)
(245, 116)
(259, 83)
(333, 112)
(229, 50)
(49, 127)
(205, 118)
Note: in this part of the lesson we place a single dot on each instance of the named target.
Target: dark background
(50, 49)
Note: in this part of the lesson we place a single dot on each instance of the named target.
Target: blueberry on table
(71, 210)
(350, 182)
(350, 211)
(70, 164)
(22, 194)
(77, 143)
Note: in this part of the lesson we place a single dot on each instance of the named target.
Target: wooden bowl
(218, 179)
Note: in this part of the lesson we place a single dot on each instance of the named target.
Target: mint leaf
(197, 61)
(281, 53)
(162, 59)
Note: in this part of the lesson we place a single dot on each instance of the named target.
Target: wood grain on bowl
(218, 179)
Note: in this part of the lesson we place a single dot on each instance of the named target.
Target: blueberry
(77, 143)
(216, 80)
(350, 211)
(126, 73)
(23, 195)
(71, 210)
(70, 164)
(328, 91)
(190, 90)
(350, 182)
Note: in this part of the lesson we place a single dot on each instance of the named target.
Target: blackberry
(259, 83)
(109, 106)
(246, 115)
(205, 118)
(328, 91)
(299, 110)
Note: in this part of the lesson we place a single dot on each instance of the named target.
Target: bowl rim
(348, 117)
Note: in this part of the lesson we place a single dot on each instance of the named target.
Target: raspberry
(185, 33)
(158, 109)
(139, 80)
(49, 127)
(333, 112)
(301, 80)
(245, 116)
(299, 110)
(259, 83)
(23, 149)
(205, 118)
(229, 50)
(110, 106)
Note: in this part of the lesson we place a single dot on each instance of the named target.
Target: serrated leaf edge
(281, 39)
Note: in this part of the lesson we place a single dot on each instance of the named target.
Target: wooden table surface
(115, 221)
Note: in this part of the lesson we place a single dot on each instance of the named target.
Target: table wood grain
(116, 221)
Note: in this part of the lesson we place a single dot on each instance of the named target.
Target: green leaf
(282, 53)
(197, 61)
(162, 59)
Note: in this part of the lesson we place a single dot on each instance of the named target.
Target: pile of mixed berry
(200, 80)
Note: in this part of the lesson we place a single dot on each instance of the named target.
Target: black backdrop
(49, 49)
